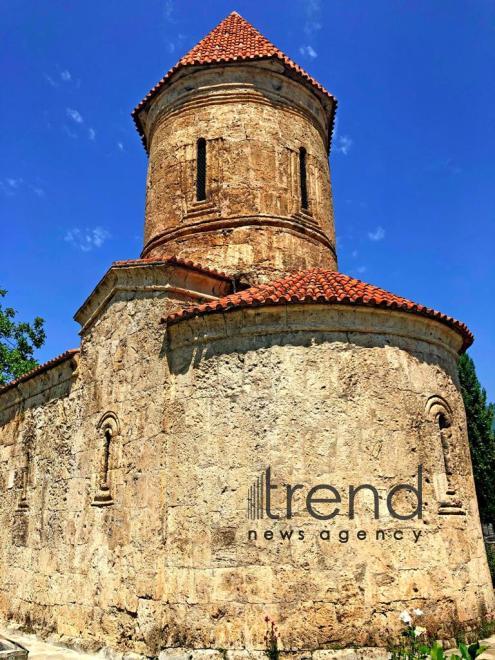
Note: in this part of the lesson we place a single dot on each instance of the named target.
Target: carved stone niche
(27, 451)
(20, 528)
(108, 428)
(440, 413)
(23, 504)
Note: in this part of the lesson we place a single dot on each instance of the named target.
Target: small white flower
(418, 612)
(419, 630)
(405, 617)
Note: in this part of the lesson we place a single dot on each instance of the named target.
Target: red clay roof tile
(232, 40)
(319, 286)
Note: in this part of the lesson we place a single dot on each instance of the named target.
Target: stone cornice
(181, 280)
(265, 66)
(340, 321)
(163, 108)
(298, 227)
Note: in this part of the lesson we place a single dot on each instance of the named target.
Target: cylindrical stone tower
(238, 138)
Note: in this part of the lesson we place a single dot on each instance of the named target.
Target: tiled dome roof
(319, 286)
(232, 40)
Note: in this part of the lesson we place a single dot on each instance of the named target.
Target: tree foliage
(18, 340)
(480, 421)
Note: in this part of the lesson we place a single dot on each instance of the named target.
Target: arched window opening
(106, 459)
(108, 429)
(444, 424)
(201, 170)
(443, 421)
(303, 178)
(440, 413)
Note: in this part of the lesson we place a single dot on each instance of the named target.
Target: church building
(244, 432)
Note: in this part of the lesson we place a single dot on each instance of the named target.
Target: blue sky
(412, 163)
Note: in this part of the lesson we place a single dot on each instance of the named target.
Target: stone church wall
(202, 408)
(333, 396)
(88, 573)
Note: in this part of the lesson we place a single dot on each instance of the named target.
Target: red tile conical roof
(319, 286)
(232, 40)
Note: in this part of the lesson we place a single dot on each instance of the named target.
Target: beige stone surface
(68, 567)
(489, 654)
(254, 120)
(45, 650)
(202, 409)
(42, 650)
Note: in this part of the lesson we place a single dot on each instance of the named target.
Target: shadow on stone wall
(183, 352)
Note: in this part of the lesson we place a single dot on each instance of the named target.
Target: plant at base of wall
(418, 646)
(467, 652)
(414, 644)
(271, 639)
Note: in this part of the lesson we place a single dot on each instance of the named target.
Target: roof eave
(37, 371)
(321, 93)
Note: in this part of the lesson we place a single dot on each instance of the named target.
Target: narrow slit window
(106, 459)
(201, 170)
(303, 178)
(445, 424)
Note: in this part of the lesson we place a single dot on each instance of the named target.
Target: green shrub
(416, 644)
(490, 553)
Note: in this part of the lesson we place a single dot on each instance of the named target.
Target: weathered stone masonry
(125, 465)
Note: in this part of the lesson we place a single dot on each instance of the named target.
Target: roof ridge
(318, 285)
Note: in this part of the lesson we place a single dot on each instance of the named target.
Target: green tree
(17, 343)
(480, 422)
